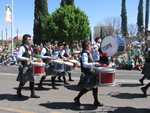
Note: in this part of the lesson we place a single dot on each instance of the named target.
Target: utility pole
(12, 2)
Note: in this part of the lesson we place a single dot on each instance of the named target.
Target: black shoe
(54, 87)
(34, 96)
(141, 81)
(144, 91)
(40, 87)
(71, 80)
(19, 94)
(77, 101)
(98, 104)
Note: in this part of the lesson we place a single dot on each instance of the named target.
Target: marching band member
(61, 56)
(86, 68)
(146, 72)
(141, 80)
(104, 59)
(25, 69)
(66, 55)
(46, 54)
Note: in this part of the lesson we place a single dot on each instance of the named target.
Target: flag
(8, 14)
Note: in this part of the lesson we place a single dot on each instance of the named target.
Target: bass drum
(111, 45)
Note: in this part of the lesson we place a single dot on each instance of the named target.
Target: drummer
(146, 72)
(46, 55)
(86, 68)
(60, 55)
(25, 68)
(65, 54)
(104, 58)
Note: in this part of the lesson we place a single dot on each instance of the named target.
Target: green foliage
(124, 28)
(68, 24)
(140, 17)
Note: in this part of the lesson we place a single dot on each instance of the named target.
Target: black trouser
(69, 75)
(41, 81)
(147, 86)
(21, 84)
(53, 81)
(84, 91)
(44, 77)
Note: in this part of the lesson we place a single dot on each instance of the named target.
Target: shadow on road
(68, 105)
(130, 85)
(126, 95)
(128, 110)
(12, 97)
(72, 87)
(89, 108)
(36, 88)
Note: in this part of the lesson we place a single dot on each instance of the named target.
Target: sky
(97, 11)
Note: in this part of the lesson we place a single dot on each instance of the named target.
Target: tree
(40, 14)
(68, 24)
(140, 17)
(147, 17)
(67, 2)
(124, 28)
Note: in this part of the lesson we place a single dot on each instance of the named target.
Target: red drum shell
(106, 76)
(38, 70)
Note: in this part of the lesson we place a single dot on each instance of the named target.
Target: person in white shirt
(66, 55)
(46, 55)
(90, 81)
(25, 69)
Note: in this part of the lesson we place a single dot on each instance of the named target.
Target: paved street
(124, 97)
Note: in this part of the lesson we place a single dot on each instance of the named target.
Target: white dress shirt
(43, 52)
(84, 59)
(20, 53)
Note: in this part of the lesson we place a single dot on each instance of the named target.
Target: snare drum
(106, 76)
(75, 62)
(38, 68)
(58, 66)
(68, 66)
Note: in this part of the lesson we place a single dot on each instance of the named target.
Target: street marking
(14, 110)
(9, 74)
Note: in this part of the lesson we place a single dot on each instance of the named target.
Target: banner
(8, 14)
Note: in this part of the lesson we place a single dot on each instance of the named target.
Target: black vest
(46, 54)
(83, 69)
(147, 56)
(25, 54)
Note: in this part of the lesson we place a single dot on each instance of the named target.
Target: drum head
(109, 45)
(108, 70)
